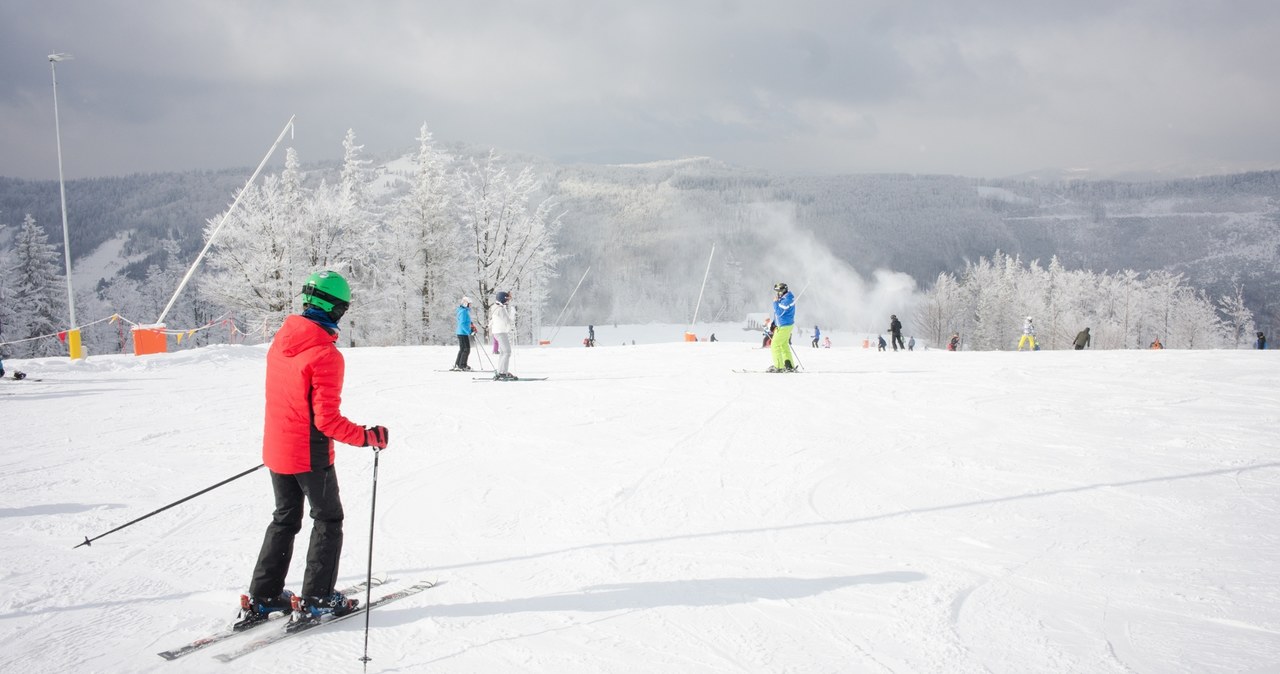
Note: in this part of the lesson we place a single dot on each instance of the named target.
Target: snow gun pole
(368, 586)
(806, 287)
(566, 303)
(705, 274)
(288, 128)
(88, 541)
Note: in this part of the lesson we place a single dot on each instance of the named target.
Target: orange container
(690, 337)
(149, 339)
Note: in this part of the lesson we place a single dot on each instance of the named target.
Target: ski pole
(795, 354)
(368, 589)
(88, 541)
(483, 352)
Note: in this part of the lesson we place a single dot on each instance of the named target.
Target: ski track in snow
(647, 509)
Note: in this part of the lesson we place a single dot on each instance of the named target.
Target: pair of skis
(291, 629)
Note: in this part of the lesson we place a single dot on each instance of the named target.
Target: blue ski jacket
(464, 321)
(784, 310)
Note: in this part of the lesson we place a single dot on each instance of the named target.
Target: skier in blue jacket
(466, 328)
(784, 317)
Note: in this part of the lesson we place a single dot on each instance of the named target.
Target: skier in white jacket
(1028, 335)
(502, 322)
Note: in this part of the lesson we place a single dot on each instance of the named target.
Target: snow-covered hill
(648, 509)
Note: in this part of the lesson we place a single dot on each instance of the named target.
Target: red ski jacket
(304, 392)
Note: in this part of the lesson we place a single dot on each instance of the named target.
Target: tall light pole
(73, 332)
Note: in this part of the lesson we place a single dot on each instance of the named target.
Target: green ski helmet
(327, 291)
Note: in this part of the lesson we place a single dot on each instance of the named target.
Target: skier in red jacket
(304, 394)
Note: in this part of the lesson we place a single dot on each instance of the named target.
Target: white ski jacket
(502, 319)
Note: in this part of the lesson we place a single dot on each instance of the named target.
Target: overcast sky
(984, 89)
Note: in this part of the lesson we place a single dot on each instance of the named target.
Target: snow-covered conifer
(38, 297)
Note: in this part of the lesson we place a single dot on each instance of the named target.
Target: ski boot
(320, 609)
(254, 610)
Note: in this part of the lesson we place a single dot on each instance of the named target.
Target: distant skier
(784, 318)
(911, 343)
(895, 331)
(816, 335)
(713, 337)
(303, 393)
(591, 335)
(953, 344)
(826, 342)
(1156, 344)
(881, 343)
(502, 322)
(1028, 335)
(1082, 339)
(1260, 343)
(466, 329)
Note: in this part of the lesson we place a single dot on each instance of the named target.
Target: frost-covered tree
(427, 260)
(38, 297)
(1123, 310)
(1238, 318)
(512, 236)
(942, 311)
(6, 292)
(347, 227)
(255, 265)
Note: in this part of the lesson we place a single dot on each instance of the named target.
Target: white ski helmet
(465, 301)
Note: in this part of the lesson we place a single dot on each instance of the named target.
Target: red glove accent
(375, 437)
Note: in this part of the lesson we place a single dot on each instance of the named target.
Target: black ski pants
(897, 341)
(319, 488)
(464, 351)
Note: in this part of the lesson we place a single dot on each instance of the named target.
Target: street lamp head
(57, 57)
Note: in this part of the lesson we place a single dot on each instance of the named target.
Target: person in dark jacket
(1082, 339)
(953, 344)
(895, 331)
(304, 394)
(1261, 342)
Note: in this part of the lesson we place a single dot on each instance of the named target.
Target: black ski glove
(375, 437)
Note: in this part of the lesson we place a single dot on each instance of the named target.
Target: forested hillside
(646, 231)
(650, 227)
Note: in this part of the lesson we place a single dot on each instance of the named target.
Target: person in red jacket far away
(304, 394)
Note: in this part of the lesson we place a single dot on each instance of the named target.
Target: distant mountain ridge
(646, 229)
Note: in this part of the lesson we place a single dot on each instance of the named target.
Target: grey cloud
(859, 86)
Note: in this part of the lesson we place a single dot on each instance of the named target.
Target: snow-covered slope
(648, 509)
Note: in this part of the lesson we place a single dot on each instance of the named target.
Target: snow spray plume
(88, 541)
(835, 292)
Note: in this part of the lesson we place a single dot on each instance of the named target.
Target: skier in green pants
(784, 317)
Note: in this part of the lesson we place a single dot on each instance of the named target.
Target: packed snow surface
(648, 509)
